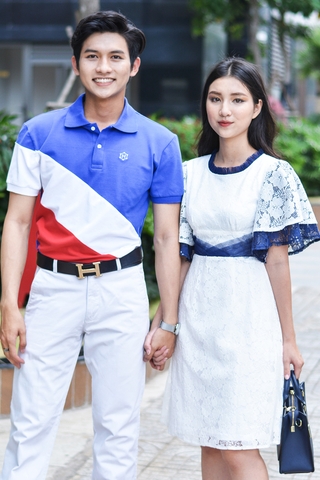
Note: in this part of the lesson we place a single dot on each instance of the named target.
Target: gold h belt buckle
(85, 271)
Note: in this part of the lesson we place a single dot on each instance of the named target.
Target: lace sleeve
(284, 215)
(186, 233)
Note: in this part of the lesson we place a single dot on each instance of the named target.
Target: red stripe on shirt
(55, 241)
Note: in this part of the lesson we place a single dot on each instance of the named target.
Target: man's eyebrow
(92, 50)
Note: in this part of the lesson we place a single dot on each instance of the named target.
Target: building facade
(35, 55)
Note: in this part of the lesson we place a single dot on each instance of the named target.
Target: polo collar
(126, 122)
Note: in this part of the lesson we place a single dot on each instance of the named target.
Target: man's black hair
(108, 21)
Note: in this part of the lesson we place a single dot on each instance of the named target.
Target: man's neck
(103, 112)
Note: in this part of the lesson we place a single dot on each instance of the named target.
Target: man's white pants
(111, 313)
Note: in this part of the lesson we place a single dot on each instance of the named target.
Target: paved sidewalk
(162, 457)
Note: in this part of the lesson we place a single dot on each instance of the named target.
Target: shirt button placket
(98, 154)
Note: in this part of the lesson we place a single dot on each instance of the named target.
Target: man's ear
(74, 65)
(135, 67)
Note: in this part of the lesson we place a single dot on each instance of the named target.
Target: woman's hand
(292, 356)
(160, 356)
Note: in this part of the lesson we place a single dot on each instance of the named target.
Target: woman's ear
(257, 108)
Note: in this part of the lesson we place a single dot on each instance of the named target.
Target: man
(95, 164)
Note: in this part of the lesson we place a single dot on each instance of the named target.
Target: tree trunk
(287, 65)
(87, 7)
(254, 25)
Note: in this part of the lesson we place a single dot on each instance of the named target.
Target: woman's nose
(224, 110)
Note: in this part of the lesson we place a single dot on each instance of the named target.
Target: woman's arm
(160, 356)
(279, 274)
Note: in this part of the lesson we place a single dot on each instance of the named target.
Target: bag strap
(293, 383)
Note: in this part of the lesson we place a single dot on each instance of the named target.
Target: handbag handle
(292, 382)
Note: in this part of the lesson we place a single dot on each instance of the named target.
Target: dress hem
(218, 446)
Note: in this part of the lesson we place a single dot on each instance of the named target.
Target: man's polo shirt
(95, 186)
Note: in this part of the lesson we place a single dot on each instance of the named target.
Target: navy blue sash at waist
(238, 247)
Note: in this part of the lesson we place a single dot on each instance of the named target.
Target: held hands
(291, 356)
(12, 327)
(158, 346)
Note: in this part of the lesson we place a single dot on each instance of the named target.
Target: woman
(243, 211)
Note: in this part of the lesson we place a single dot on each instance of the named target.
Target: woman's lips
(225, 124)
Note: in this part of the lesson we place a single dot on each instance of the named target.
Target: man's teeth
(103, 80)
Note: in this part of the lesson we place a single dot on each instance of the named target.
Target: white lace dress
(226, 376)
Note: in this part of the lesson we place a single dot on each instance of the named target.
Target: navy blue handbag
(295, 452)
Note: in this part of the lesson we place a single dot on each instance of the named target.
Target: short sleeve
(167, 184)
(186, 233)
(284, 215)
(24, 171)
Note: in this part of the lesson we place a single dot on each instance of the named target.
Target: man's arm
(167, 261)
(14, 250)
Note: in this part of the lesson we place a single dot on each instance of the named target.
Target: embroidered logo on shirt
(123, 156)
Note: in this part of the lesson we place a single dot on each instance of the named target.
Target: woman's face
(230, 108)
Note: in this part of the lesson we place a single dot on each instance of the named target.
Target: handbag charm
(295, 452)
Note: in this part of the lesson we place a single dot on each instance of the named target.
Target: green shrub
(8, 134)
(187, 130)
(299, 144)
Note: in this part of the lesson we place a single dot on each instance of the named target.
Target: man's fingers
(160, 357)
(161, 352)
(160, 362)
(154, 353)
(156, 367)
(10, 350)
(14, 358)
(23, 342)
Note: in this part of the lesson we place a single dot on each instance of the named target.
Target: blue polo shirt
(95, 185)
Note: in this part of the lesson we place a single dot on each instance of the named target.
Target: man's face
(104, 66)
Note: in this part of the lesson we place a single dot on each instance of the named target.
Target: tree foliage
(299, 144)
(207, 11)
(309, 57)
(305, 8)
(8, 133)
(229, 11)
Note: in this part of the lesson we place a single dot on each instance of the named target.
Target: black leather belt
(95, 268)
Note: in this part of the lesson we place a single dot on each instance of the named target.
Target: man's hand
(14, 249)
(159, 346)
(12, 327)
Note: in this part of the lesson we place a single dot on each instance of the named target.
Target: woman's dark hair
(262, 129)
(108, 21)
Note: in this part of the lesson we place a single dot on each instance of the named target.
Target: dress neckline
(228, 170)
